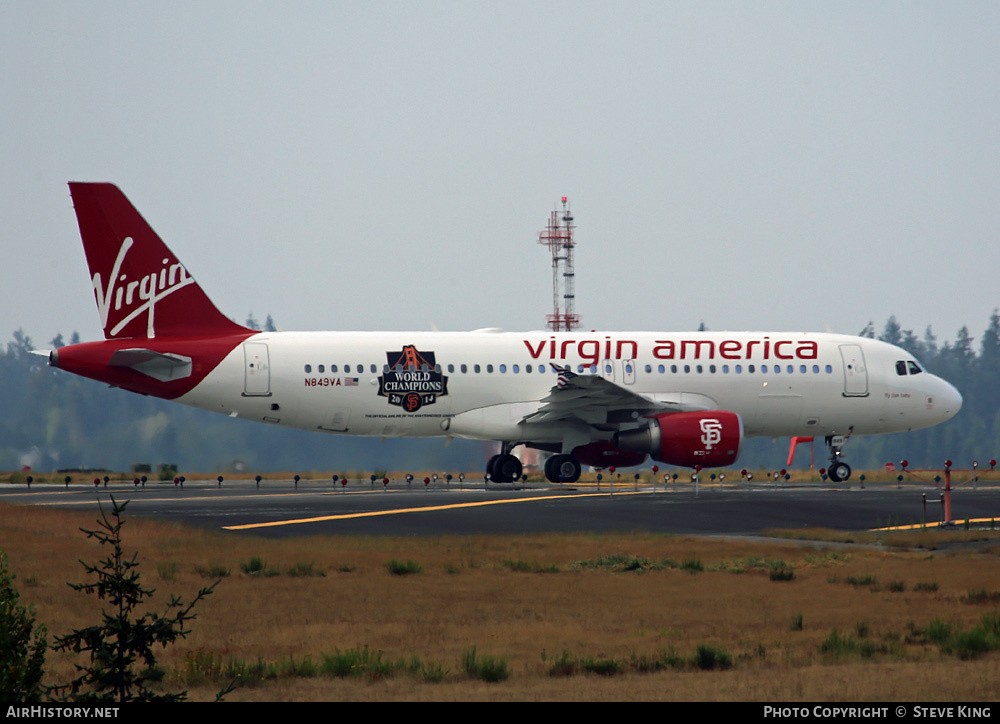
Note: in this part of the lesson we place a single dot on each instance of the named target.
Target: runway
(280, 509)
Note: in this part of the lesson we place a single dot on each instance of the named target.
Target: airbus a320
(589, 398)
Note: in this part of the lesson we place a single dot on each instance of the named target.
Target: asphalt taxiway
(280, 508)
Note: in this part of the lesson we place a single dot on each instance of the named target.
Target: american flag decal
(351, 381)
(565, 375)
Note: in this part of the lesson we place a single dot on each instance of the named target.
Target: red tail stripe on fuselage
(145, 297)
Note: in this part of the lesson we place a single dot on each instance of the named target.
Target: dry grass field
(554, 617)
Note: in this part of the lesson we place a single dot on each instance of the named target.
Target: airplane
(601, 399)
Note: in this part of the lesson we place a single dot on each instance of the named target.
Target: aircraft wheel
(550, 473)
(489, 467)
(506, 469)
(839, 472)
(562, 469)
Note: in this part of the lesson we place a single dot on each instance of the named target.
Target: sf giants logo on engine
(711, 432)
(412, 379)
(131, 298)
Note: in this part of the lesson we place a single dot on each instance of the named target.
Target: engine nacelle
(602, 454)
(708, 439)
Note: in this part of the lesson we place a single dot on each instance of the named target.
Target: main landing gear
(505, 468)
(838, 471)
(562, 469)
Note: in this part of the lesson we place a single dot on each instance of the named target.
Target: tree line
(55, 420)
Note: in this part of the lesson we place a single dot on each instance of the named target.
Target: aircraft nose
(949, 400)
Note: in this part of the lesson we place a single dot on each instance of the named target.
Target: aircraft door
(855, 371)
(257, 370)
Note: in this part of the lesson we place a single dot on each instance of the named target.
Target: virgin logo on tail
(137, 295)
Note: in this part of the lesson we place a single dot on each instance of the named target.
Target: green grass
(708, 658)
(491, 669)
(257, 567)
(520, 566)
(398, 568)
(305, 570)
(214, 571)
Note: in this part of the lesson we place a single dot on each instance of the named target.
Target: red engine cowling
(708, 439)
(604, 454)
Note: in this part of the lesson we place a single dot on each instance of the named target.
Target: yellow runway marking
(936, 524)
(429, 508)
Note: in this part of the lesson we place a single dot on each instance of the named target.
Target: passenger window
(476, 368)
(320, 369)
(309, 368)
(464, 369)
(503, 368)
(489, 368)
(515, 369)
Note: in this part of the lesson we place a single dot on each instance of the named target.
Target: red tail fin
(142, 290)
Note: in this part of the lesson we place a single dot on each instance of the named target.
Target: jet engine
(709, 439)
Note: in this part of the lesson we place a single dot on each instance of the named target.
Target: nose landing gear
(838, 471)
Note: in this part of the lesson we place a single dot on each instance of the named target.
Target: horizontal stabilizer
(158, 365)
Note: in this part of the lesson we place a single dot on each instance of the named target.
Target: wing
(596, 401)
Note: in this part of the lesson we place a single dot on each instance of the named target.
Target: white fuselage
(482, 384)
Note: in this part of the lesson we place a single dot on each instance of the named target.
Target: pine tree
(120, 643)
(22, 646)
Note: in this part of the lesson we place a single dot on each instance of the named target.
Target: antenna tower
(558, 236)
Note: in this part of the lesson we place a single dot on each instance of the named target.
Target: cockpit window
(907, 367)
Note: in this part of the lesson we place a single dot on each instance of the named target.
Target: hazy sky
(388, 165)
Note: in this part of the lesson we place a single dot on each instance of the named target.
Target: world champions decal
(412, 380)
